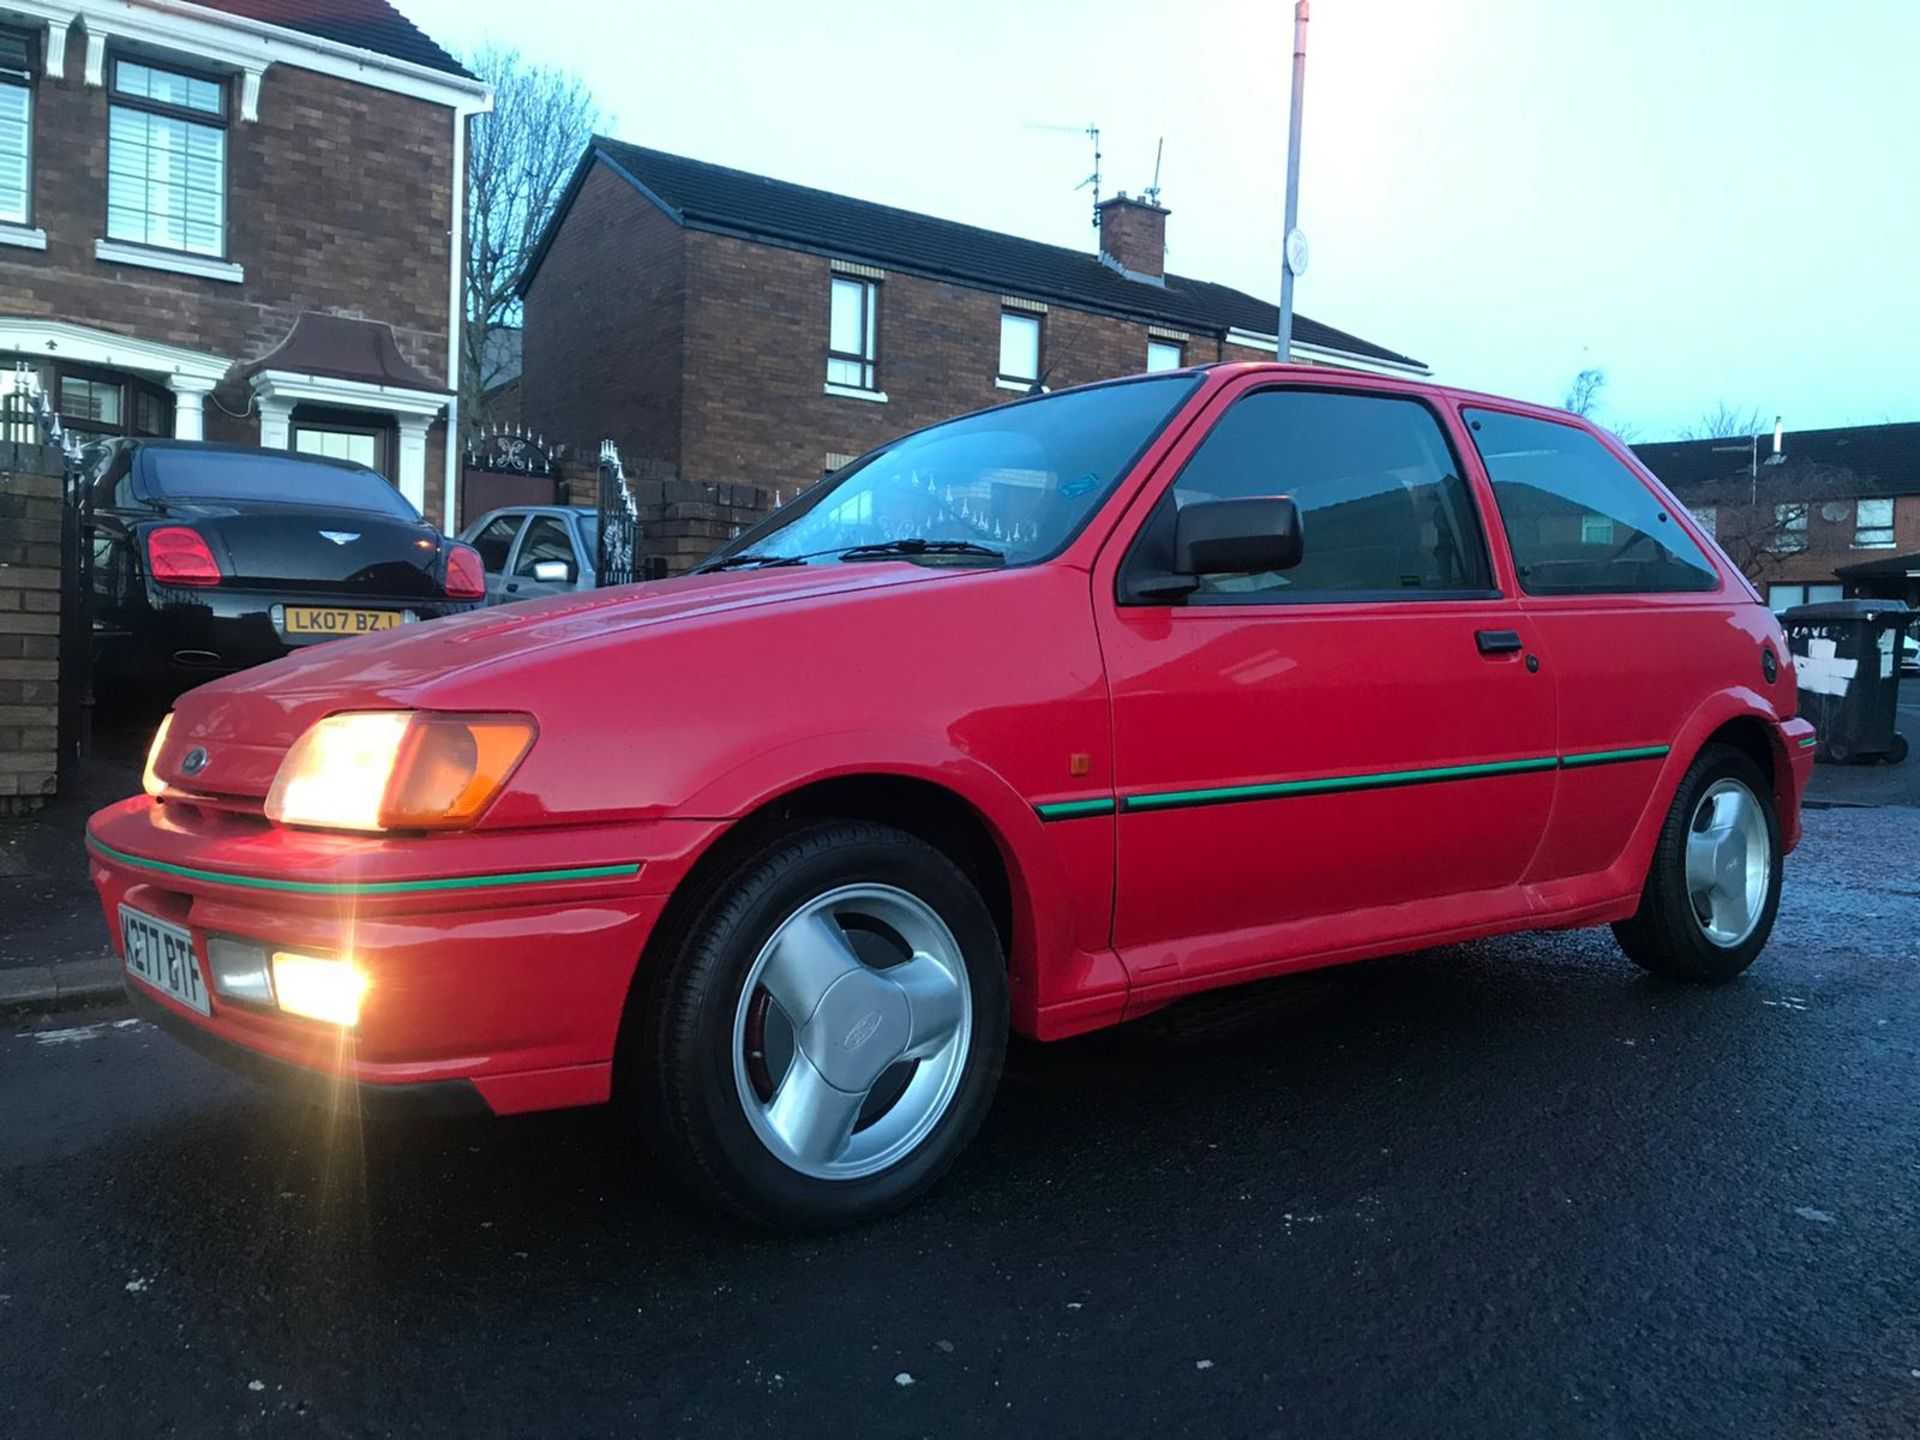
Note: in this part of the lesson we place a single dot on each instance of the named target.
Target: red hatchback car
(1036, 720)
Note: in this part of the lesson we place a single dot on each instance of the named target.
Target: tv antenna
(1152, 193)
(1092, 132)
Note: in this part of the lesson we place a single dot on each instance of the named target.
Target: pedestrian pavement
(54, 948)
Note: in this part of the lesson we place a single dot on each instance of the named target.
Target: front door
(1333, 756)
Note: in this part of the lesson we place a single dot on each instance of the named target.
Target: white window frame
(1161, 347)
(123, 105)
(1875, 535)
(1794, 520)
(849, 371)
(1020, 323)
(20, 220)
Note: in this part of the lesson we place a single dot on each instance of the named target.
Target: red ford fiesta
(1035, 720)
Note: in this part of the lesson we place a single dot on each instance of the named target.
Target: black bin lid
(1848, 610)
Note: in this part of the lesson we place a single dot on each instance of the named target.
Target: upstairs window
(853, 331)
(16, 128)
(1019, 349)
(167, 159)
(1790, 528)
(1163, 355)
(1873, 525)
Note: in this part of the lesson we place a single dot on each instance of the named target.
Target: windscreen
(268, 479)
(1020, 480)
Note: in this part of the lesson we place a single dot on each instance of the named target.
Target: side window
(1579, 521)
(1383, 511)
(547, 539)
(495, 540)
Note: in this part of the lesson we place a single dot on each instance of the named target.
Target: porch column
(276, 415)
(189, 395)
(412, 470)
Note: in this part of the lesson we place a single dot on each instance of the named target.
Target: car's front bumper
(498, 963)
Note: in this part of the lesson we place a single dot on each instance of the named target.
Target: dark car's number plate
(162, 955)
(324, 622)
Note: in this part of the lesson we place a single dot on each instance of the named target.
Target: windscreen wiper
(915, 545)
(764, 562)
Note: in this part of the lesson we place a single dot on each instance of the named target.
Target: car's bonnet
(263, 710)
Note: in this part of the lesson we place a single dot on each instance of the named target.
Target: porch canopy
(341, 364)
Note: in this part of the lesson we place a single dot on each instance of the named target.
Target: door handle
(1497, 642)
(513, 586)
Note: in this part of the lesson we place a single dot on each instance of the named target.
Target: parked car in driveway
(211, 558)
(1033, 721)
(533, 551)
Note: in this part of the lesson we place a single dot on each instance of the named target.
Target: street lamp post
(1295, 244)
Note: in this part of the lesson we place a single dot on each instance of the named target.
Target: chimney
(1133, 238)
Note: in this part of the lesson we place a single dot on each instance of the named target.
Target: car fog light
(327, 990)
(240, 970)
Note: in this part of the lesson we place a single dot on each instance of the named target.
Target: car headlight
(150, 780)
(397, 770)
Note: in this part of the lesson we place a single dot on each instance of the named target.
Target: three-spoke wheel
(850, 1038)
(1714, 885)
(823, 1036)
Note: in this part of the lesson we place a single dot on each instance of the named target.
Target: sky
(1706, 199)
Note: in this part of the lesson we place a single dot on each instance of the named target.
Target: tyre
(1896, 752)
(824, 1033)
(1839, 752)
(1714, 886)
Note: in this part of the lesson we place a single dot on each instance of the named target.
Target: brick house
(237, 220)
(751, 335)
(1836, 514)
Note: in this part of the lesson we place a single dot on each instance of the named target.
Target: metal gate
(618, 562)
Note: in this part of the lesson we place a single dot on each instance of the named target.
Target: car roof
(214, 447)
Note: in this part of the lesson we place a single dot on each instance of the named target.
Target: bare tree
(519, 157)
(1583, 395)
(1761, 519)
(1725, 421)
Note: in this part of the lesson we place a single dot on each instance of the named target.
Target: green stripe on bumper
(1337, 784)
(1809, 742)
(371, 887)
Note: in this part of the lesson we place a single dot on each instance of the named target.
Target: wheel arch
(1740, 717)
(946, 798)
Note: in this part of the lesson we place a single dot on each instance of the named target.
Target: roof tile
(367, 24)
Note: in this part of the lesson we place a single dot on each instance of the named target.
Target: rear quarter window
(1579, 522)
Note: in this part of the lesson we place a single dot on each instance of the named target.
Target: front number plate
(162, 955)
(323, 621)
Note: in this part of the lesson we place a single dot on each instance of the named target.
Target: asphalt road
(1511, 1189)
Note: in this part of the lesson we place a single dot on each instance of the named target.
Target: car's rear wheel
(1714, 886)
(823, 1035)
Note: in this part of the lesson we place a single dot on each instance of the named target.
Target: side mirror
(1237, 537)
(552, 572)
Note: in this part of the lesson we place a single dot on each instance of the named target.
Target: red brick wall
(601, 348)
(755, 407)
(339, 199)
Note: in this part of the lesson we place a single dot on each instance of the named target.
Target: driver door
(545, 542)
(1348, 752)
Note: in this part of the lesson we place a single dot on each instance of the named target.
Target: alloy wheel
(852, 1030)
